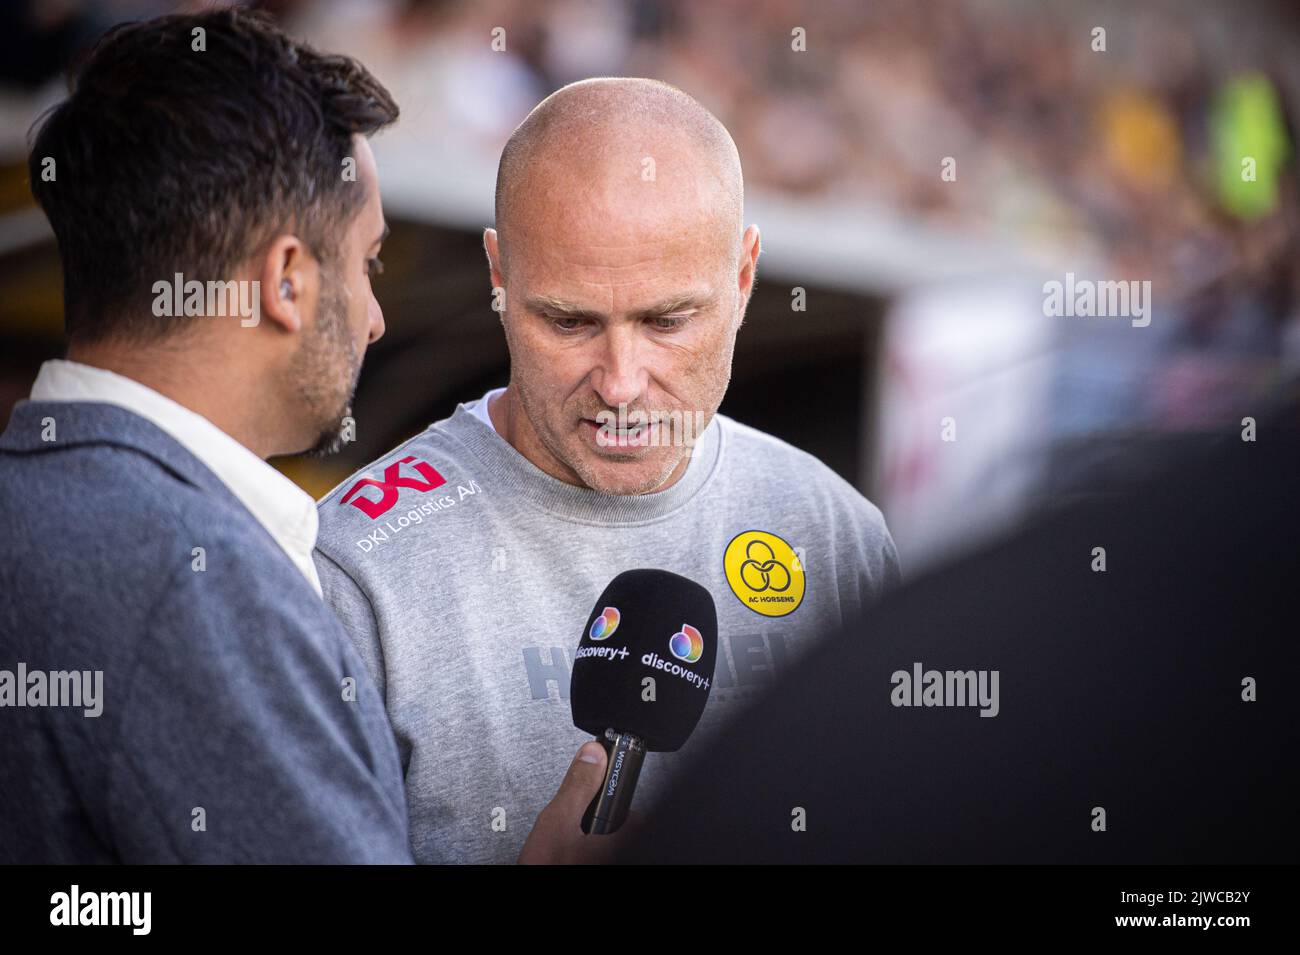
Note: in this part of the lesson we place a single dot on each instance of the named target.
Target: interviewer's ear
(289, 276)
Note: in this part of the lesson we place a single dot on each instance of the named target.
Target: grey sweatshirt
(464, 575)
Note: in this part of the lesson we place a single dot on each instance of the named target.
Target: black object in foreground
(1145, 713)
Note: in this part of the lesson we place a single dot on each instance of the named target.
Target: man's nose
(620, 377)
(376, 321)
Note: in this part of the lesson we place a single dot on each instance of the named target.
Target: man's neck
(169, 370)
(511, 422)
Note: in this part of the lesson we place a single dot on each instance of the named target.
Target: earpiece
(286, 289)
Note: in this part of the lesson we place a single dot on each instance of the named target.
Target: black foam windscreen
(1124, 690)
(647, 623)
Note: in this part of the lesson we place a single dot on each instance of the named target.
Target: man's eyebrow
(688, 301)
(559, 307)
(685, 302)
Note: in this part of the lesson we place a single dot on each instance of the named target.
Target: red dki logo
(390, 485)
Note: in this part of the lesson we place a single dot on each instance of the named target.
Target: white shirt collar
(480, 408)
(286, 511)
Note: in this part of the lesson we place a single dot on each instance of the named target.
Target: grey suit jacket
(235, 722)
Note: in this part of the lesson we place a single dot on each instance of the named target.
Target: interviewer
(147, 541)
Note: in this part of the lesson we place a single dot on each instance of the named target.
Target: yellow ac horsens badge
(765, 573)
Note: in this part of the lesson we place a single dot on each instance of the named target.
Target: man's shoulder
(799, 485)
(752, 456)
(142, 518)
(751, 442)
(430, 440)
(111, 543)
(433, 460)
(108, 487)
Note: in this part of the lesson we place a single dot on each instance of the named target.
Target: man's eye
(374, 267)
(668, 323)
(567, 323)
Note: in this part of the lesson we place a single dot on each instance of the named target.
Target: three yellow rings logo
(765, 573)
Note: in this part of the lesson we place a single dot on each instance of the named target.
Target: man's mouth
(609, 435)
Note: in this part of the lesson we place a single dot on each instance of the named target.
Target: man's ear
(750, 246)
(289, 276)
(493, 250)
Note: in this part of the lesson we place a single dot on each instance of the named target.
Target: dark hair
(169, 159)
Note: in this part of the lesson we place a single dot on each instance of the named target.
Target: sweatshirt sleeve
(351, 605)
(883, 555)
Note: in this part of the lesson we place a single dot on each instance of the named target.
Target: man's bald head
(603, 147)
(622, 269)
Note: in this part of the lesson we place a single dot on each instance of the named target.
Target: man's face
(348, 317)
(636, 306)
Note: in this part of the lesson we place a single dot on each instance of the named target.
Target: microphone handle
(608, 811)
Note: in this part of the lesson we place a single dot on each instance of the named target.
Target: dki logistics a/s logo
(765, 573)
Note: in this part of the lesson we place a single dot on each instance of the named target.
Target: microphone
(641, 676)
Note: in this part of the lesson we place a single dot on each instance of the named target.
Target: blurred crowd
(1114, 132)
(1130, 139)
(1109, 128)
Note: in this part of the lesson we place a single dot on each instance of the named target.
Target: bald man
(464, 563)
